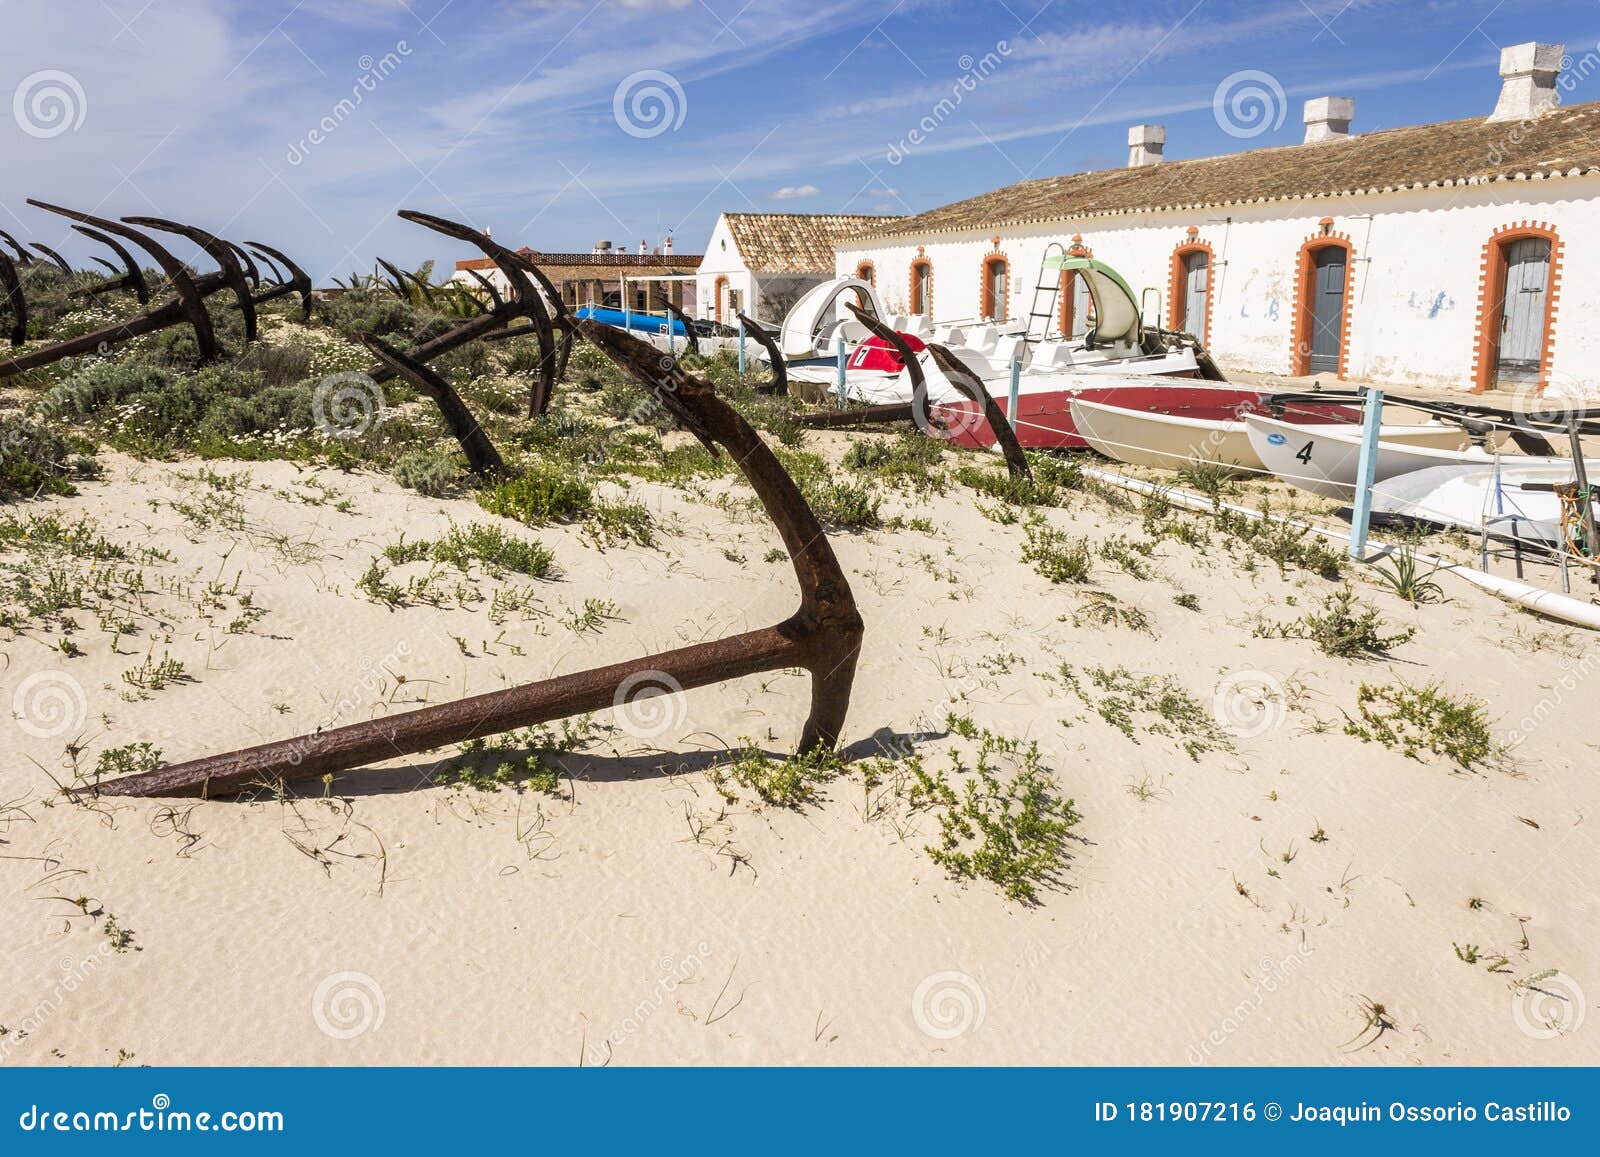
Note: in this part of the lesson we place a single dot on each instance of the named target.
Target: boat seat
(983, 338)
(1005, 349)
(1060, 355)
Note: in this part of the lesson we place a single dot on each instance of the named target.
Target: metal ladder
(1048, 291)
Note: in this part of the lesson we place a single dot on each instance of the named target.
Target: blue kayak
(640, 322)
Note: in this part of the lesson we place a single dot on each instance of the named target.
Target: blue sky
(559, 122)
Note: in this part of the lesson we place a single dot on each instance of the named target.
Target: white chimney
(1328, 118)
(644, 248)
(1529, 74)
(1145, 143)
(666, 246)
(602, 247)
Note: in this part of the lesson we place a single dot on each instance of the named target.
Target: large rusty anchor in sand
(235, 273)
(823, 636)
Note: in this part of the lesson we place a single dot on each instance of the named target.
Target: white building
(1455, 255)
(769, 259)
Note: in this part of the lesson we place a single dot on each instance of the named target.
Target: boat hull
(1045, 420)
(1480, 496)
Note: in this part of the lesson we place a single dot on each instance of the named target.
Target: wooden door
(1327, 309)
(1522, 310)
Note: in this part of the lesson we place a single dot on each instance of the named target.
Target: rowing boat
(1200, 431)
(1326, 461)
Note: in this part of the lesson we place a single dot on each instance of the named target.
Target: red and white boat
(1045, 420)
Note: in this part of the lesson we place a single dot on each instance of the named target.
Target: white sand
(408, 923)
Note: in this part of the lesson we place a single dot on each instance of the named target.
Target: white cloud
(795, 192)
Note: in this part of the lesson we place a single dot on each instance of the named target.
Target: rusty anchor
(186, 306)
(823, 636)
(59, 261)
(688, 326)
(960, 376)
(525, 302)
(23, 256)
(296, 281)
(779, 383)
(235, 272)
(484, 459)
(131, 276)
(11, 291)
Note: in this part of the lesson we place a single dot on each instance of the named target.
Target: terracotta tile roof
(795, 242)
(1563, 142)
(578, 266)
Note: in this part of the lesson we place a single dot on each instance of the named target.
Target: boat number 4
(1305, 451)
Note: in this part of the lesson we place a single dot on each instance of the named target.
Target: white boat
(1172, 441)
(1116, 344)
(1325, 461)
(1506, 497)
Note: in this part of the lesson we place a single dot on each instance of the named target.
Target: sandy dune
(1239, 907)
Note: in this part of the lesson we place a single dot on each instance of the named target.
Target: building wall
(722, 260)
(1413, 298)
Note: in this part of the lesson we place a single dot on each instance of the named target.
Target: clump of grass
(844, 505)
(1055, 554)
(1131, 556)
(481, 543)
(613, 522)
(1011, 831)
(909, 461)
(154, 675)
(781, 782)
(1343, 628)
(1157, 704)
(1012, 491)
(1407, 581)
(35, 459)
(542, 495)
(1187, 600)
(1213, 479)
(1055, 470)
(129, 759)
(526, 759)
(429, 472)
(1414, 720)
(1102, 608)
(1285, 544)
